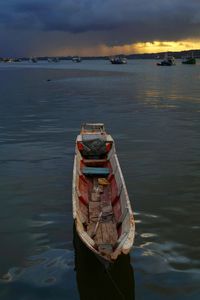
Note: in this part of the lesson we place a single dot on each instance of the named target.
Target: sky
(97, 27)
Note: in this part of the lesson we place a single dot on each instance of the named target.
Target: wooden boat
(101, 207)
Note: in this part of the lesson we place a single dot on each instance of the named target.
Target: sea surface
(153, 113)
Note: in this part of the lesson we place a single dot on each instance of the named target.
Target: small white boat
(101, 207)
(76, 59)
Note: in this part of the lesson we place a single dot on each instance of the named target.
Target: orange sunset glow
(138, 48)
(156, 46)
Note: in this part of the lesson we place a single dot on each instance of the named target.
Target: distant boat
(118, 60)
(76, 59)
(101, 206)
(17, 60)
(189, 60)
(168, 60)
(10, 60)
(33, 60)
(53, 59)
(7, 60)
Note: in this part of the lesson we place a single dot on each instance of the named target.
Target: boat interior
(99, 193)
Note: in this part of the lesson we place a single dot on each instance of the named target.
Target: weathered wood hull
(101, 207)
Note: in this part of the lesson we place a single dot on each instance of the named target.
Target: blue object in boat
(95, 171)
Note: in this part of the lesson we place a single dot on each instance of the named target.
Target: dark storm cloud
(112, 22)
(141, 17)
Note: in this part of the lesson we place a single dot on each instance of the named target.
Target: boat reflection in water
(96, 282)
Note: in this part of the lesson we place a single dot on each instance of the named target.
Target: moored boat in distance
(118, 60)
(189, 60)
(168, 60)
(53, 59)
(76, 59)
(101, 207)
(33, 60)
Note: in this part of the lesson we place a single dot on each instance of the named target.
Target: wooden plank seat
(109, 233)
(95, 171)
(94, 162)
(106, 233)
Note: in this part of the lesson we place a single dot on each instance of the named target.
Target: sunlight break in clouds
(145, 47)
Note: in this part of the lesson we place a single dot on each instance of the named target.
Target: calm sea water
(153, 114)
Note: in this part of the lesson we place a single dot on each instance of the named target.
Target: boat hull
(101, 206)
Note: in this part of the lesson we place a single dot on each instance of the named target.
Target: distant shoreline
(176, 54)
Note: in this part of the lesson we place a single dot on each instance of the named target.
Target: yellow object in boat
(103, 181)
